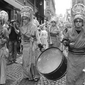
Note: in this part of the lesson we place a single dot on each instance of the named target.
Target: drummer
(44, 37)
(54, 33)
(75, 40)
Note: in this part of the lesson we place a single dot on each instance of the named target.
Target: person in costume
(3, 48)
(54, 33)
(75, 41)
(28, 33)
(44, 37)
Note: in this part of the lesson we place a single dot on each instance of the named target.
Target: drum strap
(53, 34)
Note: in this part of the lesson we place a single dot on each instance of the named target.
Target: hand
(31, 39)
(71, 43)
(66, 42)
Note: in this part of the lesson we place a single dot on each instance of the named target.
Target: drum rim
(59, 68)
(56, 68)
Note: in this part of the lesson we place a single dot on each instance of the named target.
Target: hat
(78, 16)
(26, 11)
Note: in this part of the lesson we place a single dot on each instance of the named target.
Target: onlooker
(13, 36)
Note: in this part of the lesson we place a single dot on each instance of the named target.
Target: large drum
(52, 64)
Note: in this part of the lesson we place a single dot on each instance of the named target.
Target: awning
(14, 3)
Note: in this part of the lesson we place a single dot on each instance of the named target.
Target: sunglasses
(78, 21)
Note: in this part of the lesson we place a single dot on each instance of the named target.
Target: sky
(62, 5)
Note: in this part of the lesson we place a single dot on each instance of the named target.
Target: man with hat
(75, 40)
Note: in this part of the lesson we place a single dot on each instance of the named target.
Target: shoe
(29, 79)
(36, 79)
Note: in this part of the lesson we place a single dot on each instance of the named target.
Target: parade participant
(40, 46)
(67, 27)
(28, 33)
(75, 40)
(3, 48)
(54, 33)
(44, 37)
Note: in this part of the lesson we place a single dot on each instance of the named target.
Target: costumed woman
(75, 40)
(44, 37)
(54, 33)
(3, 48)
(28, 32)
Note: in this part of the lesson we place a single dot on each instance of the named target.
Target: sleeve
(34, 32)
(5, 33)
(65, 40)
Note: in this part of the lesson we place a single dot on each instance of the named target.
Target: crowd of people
(31, 38)
(28, 38)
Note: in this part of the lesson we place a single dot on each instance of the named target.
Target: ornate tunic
(3, 55)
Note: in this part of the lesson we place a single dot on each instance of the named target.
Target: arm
(34, 33)
(16, 30)
(65, 40)
(9, 30)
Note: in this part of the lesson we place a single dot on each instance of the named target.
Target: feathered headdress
(26, 11)
(78, 11)
(4, 15)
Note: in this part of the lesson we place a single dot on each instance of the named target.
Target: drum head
(49, 60)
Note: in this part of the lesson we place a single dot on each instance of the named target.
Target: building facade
(13, 8)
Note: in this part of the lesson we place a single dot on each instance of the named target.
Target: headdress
(4, 15)
(78, 11)
(26, 11)
(54, 18)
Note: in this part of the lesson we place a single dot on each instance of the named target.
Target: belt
(26, 39)
(53, 34)
(79, 51)
(1, 45)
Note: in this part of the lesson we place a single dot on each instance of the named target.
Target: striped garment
(78, 39)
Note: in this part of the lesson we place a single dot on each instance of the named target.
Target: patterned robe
(29, 46)
(76, 58)
(54, 36)
(3, 54)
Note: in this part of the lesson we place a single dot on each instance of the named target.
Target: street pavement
(15, 76)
